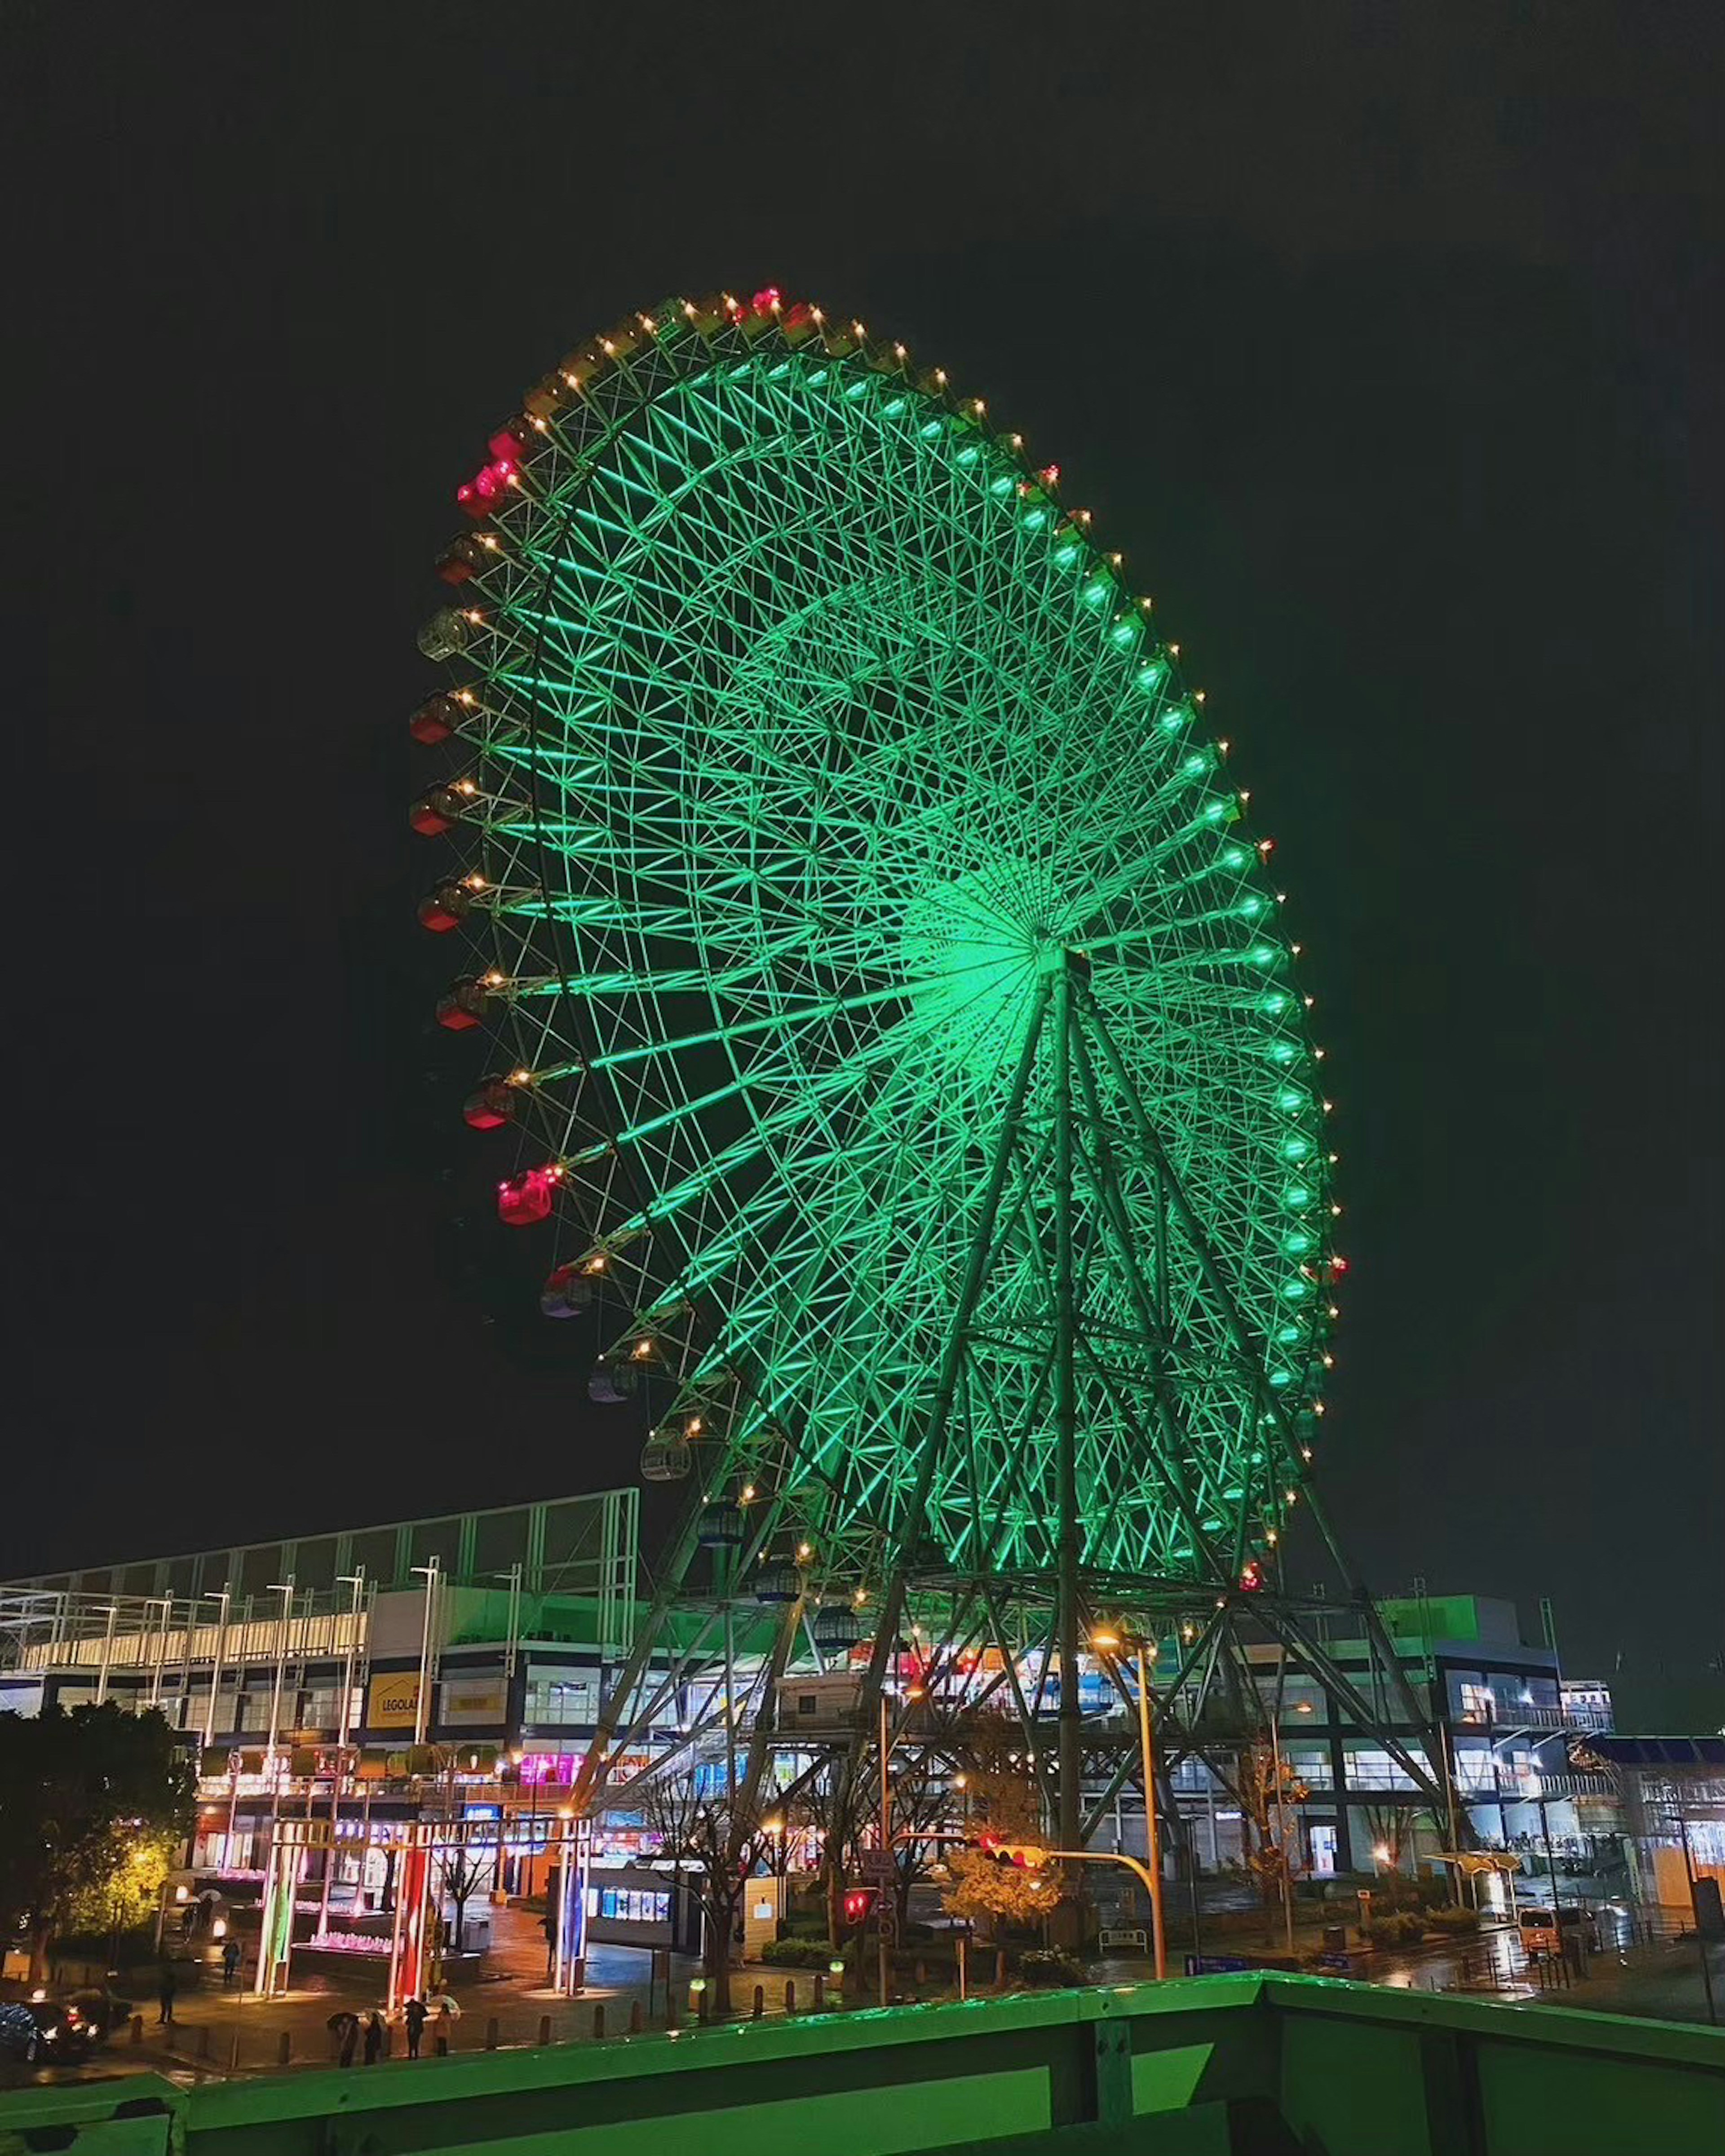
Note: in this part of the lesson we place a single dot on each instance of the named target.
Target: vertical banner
(574, 1863)
(285, 1863)
(412, 1883)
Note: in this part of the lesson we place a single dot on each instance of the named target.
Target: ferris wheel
(897, 1031)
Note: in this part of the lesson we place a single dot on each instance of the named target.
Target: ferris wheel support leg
(1009, 1654)
(745, 1802)
(909, 1528)
(1065, 1392)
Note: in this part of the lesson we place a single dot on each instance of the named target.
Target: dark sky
(1385, 340)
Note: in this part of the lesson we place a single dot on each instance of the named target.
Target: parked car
(1539, 1924)
(101, 2012)
(43, 2031)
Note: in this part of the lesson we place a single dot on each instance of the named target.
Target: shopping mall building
(452, 1668)
(434, 1665)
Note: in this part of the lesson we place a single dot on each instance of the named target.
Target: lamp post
(284, 1588)
(1701, 1937)
(344, 1727)
(885, 1829)
(1113, 1643)
(888, 1871)
(224, 1598)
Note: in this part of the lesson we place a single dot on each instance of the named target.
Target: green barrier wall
(1247, 2065)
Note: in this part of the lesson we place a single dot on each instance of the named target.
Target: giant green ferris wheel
(898, 1028)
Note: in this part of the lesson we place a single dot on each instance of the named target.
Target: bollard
(919, 1974)
(284, 2048)
(702, 2009)
(491, 2033)
(599, 2018)
(820, 1991)
(760, 2002)
(233, 2054)
(790, 1994)
(439, 2045)
(137, 2028)
(577, 1974)
(544, 2028)
(635, 2017)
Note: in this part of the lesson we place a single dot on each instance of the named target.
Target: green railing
(1247, 2064)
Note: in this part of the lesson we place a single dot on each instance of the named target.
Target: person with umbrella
(414, 2014)
(344, 2027)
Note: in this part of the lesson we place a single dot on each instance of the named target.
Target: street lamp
(777, 1826)
(912, 1693)
(1108, 1643)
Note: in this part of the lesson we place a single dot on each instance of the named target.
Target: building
(452, 1668)
(1506, 1717)
(450, 1665)
(1673, 1794)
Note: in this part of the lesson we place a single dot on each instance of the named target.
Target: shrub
(1458, 1921)
(1396, 1929)
(800, 1953)
(1046, 1968)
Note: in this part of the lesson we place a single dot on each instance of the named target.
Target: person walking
(230, 1963)
(344, 2027)
(414, 2014)
(165, 1997)
(374, 2037)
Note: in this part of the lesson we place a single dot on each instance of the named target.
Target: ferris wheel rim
(564, 931)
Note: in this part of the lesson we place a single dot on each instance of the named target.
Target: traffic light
(1023, 1855)
(858, 1902)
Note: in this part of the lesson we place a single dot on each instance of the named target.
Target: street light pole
(1707, 1972)
(224, 1598)
(1151, 1872)
(885, 1830)
(344, 1729)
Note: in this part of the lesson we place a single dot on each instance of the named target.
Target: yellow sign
(394, 1701)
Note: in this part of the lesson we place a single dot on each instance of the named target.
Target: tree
(1000, 1895)
(922, 1808)
(829, 1803)
(92, 1805)
(1269, 1791)
(721, 1844)
(1395, 1830)
(1003, 1801)
(462, 1874)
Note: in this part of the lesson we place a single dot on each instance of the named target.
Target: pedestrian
(344, 2026)
(165, 1997)
(230, 1963)
(414, 2014)
(374, 2037)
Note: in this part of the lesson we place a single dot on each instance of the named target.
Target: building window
(1479, 1703)
(558, 1701)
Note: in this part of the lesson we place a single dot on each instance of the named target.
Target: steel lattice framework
(809, 753)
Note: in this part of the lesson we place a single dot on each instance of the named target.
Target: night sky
(1386, 342)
